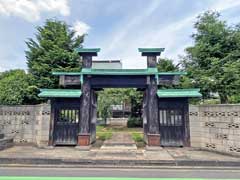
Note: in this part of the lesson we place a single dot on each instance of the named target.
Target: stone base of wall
(6, 143)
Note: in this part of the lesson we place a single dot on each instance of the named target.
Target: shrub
(134, 122)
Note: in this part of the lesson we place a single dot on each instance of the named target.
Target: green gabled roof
(171, 93)
(172, 73)
(65, 93)
(87, 50)
(148, 71)
(150, 50)
(67, 73)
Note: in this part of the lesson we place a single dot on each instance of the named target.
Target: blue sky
(118, 27)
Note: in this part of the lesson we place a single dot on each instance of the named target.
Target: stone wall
(117, 121)
(26, 124)
(212, 127)
(215, 127)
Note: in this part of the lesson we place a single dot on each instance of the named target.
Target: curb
(115, 163)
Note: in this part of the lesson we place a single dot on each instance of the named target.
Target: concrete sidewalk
(29, 155)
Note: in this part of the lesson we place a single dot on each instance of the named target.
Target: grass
(104, 132)
(139, 139)
(107, 128)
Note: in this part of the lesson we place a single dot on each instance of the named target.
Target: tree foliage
(52, 50)
(213, 61)
(16, 88)
(116, 96)
(166, 65)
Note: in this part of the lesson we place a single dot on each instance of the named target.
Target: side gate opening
(173, 122)
(66, 121)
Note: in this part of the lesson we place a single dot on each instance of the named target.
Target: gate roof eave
(149, 71)
(177, 93)
(60, 93)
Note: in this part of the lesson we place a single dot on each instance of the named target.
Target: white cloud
(81, 28)
(31, 10)
(123, 32)
(223, 5)
(2, 69)
(122, 43)
(174, 36)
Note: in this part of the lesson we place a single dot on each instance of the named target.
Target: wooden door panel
(171, 126)
(66, 126)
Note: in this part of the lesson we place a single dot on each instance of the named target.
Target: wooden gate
(172, 121)
(66, 124)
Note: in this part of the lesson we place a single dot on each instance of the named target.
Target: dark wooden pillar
(153, 135)
(87, 54)
(85, 125)
(84, 129)
(151, 54)
(187, 142)
(93, 117)
(52, 119)
(144, 115)
(151, 61)
(87, 61)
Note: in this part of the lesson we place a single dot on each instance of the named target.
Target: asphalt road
(118, 172)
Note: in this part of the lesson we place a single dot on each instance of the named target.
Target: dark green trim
(148, 71)
(119, 72)
(64, 93)
(87, 50)
(151, 50)
(172, 73)
(66, 73)
(172, 93)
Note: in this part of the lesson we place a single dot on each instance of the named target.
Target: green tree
(213, 61)
(53, 50)
(166, 65)
(16, 88)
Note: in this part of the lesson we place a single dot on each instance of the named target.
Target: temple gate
(74, 108)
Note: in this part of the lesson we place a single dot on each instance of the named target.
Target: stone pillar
(84, 129)
(153, 135)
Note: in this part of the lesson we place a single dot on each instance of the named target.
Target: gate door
(172, 123)
(66, 125)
